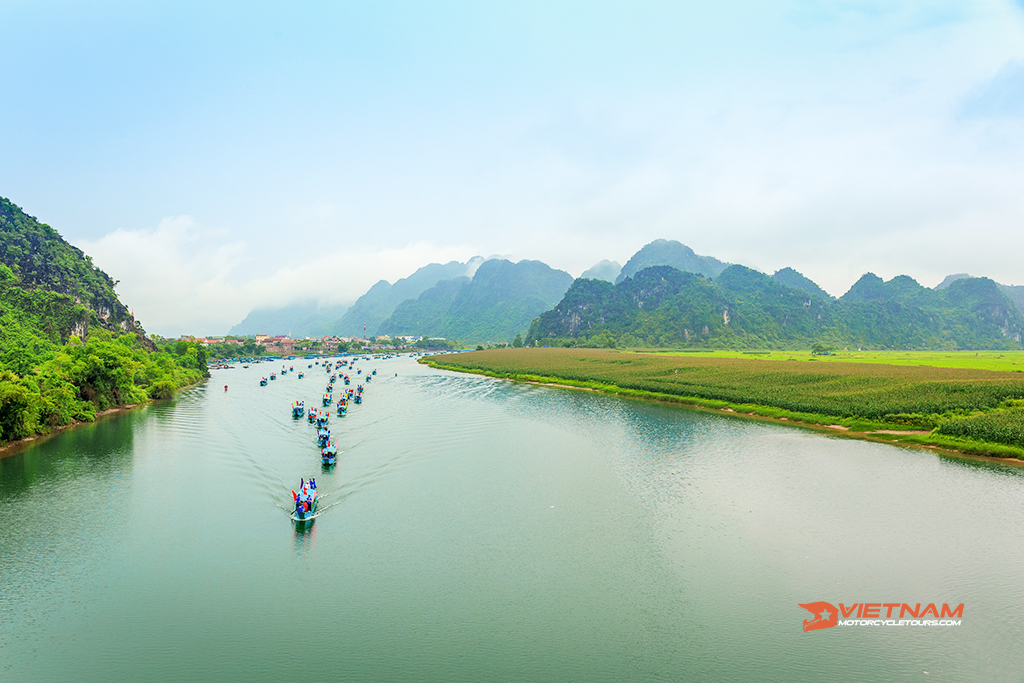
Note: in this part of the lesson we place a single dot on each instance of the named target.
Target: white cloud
(181, 278)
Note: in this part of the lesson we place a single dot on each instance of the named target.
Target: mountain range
(743, 308)
(311, 320)
(303, 319)
(496, 304)
(494, 300)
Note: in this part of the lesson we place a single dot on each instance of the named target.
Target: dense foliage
(744, 309)
(68, 348)
(56, 385)
(41, 259)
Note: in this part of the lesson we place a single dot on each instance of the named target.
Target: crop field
(1000, 426)
(910, 395)
(1008, 361)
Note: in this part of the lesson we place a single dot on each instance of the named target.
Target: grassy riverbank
(974, 411)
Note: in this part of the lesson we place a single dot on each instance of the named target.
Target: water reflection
(305, 536)
(102, 449)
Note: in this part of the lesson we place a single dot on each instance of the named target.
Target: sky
(219, 157)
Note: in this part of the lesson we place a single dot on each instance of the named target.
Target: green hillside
(743, 308)
(791, 278)
(670, 253)
(68, 347)
(41, 259)
(426, 312)
(1014, 293)
(374, 307)
(496, 305)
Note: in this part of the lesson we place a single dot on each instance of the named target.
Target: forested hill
(68, 348)
(670, 253)
(372, 308)
(495, 305)
(743, 308)
(40, 258)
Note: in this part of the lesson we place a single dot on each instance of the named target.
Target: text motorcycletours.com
(826, 615)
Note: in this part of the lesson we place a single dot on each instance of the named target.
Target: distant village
(283, 345)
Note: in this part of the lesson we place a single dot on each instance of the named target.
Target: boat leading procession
(305, 499)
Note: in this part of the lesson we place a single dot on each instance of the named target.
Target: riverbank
(15, 447)
(896, 405)
(20, 445)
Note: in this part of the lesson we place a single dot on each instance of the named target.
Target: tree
(518, 341)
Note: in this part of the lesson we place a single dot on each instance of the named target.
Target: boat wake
(321, 509)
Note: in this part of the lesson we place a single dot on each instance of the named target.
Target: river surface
(480, 530)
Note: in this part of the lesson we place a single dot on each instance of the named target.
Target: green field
(1007, 361)
(971, 409)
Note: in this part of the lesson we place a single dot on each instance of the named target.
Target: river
(481, 530)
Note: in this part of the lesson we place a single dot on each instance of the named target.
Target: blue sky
(217, 158)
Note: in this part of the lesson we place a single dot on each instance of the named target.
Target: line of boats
(305, 499)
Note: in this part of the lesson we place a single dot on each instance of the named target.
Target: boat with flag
(329, 454)
(298, 409)
(305, 500)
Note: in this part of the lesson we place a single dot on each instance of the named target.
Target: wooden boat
(305, 501)
(263, 382)
(323, 437)
(298, 409)
(329, 454)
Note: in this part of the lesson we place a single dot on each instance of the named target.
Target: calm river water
(478, 530)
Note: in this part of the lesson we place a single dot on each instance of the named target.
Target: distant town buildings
(284, 345)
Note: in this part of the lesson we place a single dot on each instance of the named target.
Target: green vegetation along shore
(974, 411)
(69, 349)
